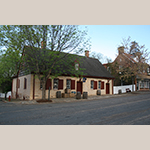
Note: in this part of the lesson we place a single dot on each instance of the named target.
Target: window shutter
(25, 83)
(95, 85)
(48, 84)
(102, 85)
(72, 84)
(60, 85)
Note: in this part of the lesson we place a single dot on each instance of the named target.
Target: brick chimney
(87, 53)
(120, 50)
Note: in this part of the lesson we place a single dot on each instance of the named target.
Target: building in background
(129, 62)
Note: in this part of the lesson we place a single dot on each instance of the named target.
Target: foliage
(133, 64)
(133, 48)
(138, 63)
(42, 47)
(7, 70)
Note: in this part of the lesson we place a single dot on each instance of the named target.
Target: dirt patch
(44, 101)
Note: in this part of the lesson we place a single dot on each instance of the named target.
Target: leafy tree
(135, 63)
(7, 70)
(47, 58)
(139, 54)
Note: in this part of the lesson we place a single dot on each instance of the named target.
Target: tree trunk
(43, 90)
(5, 95)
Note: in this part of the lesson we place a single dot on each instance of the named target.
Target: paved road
(124, 110)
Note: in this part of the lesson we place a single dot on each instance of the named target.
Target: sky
(105, 39)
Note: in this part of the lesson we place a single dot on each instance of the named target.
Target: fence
(2, 95)
(123, 88)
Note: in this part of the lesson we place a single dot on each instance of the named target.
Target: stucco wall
(28, 92)
(86, 87)
(38, 91)
(21, 91)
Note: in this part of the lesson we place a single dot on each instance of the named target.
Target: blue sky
(106, 38)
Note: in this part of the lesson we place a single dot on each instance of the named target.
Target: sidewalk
(67, 100)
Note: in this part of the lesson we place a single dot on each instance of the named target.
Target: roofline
(73, 76)
(84, 76)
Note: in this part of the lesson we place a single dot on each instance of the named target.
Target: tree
(136, 63)
(45, 59)
(100, 57)
(7, 70)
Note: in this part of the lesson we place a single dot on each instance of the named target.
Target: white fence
(123, 88)
(2, 95)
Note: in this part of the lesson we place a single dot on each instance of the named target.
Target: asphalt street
(133, 109)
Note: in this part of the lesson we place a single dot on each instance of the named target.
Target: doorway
(107, 88)
(79, 87)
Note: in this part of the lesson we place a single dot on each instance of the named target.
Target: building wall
(28, 92)
(21, 91)
(86, 87)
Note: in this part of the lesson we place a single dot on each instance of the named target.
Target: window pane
(76, 66)
(68, 84)
(55, 84)
(25, 83)
(99, 84)
(92, 84)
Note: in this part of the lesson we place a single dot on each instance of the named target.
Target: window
(76, 66)
(142, 85)
(55, 86)
(148, 70)
(107, 68)
(25, 83)
(99, 84)
(92, 84)
(68, 84)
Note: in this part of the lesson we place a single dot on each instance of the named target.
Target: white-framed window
(76, 66)
(68, 84)
(142, 85)
(55, 85)
(99, 84)
(92, 84)
(107, 68)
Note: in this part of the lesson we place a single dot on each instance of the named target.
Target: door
(107, 88)
(79, 87)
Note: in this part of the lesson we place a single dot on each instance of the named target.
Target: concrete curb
(68, 100)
